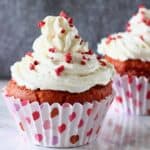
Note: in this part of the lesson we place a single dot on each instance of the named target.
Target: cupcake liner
(59, 125)
(132, 94)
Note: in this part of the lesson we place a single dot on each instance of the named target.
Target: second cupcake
(129, 52)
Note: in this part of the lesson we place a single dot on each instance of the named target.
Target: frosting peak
(59, 32)
(61, 60)
(140, 22)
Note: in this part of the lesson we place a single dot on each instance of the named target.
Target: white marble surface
(117, 133)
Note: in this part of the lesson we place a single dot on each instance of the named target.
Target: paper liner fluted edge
(132, 94)
(59, 125)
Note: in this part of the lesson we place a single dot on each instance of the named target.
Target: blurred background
(94, 19)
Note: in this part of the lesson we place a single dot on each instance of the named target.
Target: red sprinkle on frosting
(51, 58)
(63, 31)
(141, 6)
(29, 54)
(103, 63)
(99, 57)
(76, 36)
(70, 20)
(90, 52)
(59, 70)
(81, 42)
(83, 57)
(141, 37)
(82, 62)
(32, 67)
(109, 39)
(63, 14)
(119, 37)
(68, 57)
(128, 27)
(41, 24)
(35, 62)
(71, 25)
(128, 30)
(146, 21)
(142, 12)
(52, 50)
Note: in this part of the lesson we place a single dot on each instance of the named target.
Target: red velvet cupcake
(60, 92)
(129, 52)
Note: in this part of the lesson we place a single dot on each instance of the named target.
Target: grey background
(94, 19)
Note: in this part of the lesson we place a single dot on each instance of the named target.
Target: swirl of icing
(124, 46)
(140, 22)
(61, 60)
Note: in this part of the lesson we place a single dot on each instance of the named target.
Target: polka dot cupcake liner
(59, 125)
(132, 95)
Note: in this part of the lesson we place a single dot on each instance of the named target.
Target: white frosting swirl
(140, 22)
(52, 36)
(75, 76)
(124, 46)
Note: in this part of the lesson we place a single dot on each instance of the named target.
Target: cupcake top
(124, 46)
(132, 44)
(61, 60)
(139, 23)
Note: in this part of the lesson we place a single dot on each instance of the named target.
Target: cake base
(98, 92)
(131, 67)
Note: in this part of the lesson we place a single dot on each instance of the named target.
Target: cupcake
(60, 92)
(129, 52)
